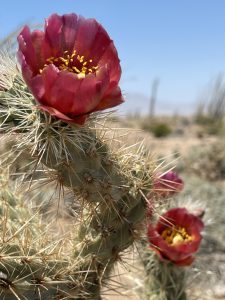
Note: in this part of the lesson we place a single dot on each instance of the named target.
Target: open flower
(72, 67)
(176, 236)
(168, 184)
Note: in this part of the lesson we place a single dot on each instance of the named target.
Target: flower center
(73, 63)
(175, 235)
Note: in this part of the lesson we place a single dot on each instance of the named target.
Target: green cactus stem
(110, 185)
(164, 280)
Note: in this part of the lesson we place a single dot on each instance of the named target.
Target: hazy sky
(181, 42)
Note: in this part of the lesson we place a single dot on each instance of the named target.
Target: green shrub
(161, 130)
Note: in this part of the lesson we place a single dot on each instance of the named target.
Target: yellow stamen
(175, 235)
(72, 63)
(73, 54)
(77, 70)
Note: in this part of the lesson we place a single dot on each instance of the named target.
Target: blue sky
(181, 42)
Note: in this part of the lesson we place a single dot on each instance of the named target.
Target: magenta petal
(109, 101)
(49, 75)
(185, 262)
(37, 87)
(110, 58)
(26, 47)
(63, 91)
(53, 34)
(100, 44)
(103, 76)
(85, 36)
(70, 22)
(37, 38)
(88, 96)
(27, 73)
(74, 96)
(55, 113)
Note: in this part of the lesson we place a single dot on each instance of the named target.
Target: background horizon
(181, 44)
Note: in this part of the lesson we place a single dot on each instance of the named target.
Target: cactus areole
(72, 67)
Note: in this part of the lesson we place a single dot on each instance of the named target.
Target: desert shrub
(207, 161)
(210, 111)
(161, 130)
(158, 129)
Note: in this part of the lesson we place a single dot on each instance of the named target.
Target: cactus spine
(164, 280)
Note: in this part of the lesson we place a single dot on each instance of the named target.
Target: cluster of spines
(111, 185)
(164, 280)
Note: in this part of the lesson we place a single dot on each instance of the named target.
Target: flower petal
(54, 112)
(69, 30)
(73, 96)
(185, 262)
(37, 87)
(110, 58)
(109, 101)
(85, 36)
(49, 75)
(37, 37)
(180, 253)
(27, 73)
(27, 49)
(53, 34)
(100, 44)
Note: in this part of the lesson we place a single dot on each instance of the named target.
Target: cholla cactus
(26, 250)
(164, 280)
(174, 238)
(71, 70)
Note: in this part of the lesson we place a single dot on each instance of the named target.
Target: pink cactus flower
(176, 236)
(168, 184)
(72, 67)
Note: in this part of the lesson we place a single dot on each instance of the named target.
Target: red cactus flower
(176, 236)
(168, 184)
(72, 67)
